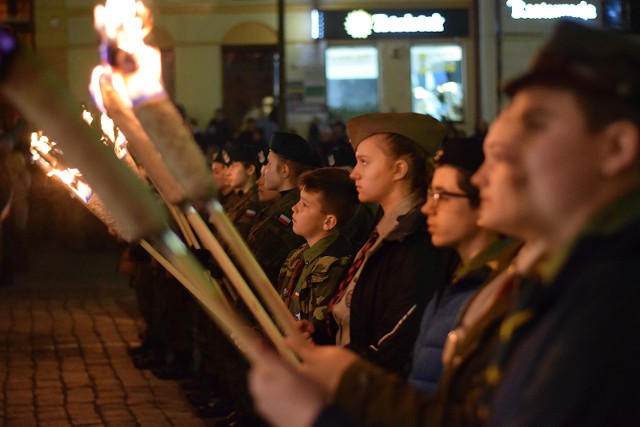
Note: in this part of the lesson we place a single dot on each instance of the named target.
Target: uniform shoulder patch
(284, 220)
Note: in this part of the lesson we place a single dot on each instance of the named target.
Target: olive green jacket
(322, 275)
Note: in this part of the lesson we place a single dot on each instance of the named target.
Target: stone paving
(65, 326)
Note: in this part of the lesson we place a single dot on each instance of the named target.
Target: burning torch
(123, 51)
(38, 95)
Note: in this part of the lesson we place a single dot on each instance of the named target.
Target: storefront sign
(523, 10)
(376, 24)
(538, 17)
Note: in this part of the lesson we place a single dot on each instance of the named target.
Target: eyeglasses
(438, 195)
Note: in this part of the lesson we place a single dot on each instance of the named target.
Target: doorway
(249, 75)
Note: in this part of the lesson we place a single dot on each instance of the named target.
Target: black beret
(587, 60)
(422, 129)
(294, 147)
(341, 155)
(218, 157)
(463, 153)
(241, 153)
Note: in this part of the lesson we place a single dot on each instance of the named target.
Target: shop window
(436, 81)
(352, 80)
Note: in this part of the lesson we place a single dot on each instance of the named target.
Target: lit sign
(522, 10)
(362, 24)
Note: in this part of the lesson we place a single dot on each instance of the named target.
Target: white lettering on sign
(408, 23)
(360, 24)
(522, 10)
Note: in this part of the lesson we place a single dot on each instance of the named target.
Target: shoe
(215, 408)
(172, 371)
(147, 360)
(201, 397)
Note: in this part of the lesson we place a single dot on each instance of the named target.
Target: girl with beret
(376, 311)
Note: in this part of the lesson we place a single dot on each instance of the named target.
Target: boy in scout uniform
(311, 273)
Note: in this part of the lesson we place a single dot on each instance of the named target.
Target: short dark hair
(295, 167)
(338, 194)
(467, 187)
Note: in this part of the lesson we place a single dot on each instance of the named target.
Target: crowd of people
(488, 280)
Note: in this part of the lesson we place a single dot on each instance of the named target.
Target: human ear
(620, 148)
(285, 170)
(251, 170)
(400, 169)
(330, 221)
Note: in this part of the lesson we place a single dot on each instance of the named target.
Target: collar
(321, 245)
(390, 220)
(608, 221)
(494, 256)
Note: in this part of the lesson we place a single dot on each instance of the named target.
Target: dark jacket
(399, 275)
(272, 237)
(374, 396)
(244, 213)
(576, 363)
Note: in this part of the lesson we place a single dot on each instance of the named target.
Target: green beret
(422, 129)
(294, 147)
(587, 60)
(462, 153)
(241, 153)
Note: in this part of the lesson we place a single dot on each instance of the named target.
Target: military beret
(241, 153)
(422, 129)
(294, 147)
(463, 153)
(588, 60)
(341, 155)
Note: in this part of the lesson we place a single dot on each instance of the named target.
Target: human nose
(355, 173)
(430, 205)
(478, 178)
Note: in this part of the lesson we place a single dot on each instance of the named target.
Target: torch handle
(241, 286)
(170, 251)
(245, 257)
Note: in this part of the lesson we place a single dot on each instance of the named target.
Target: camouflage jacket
(244, 213)
(318, 282)
(271, 238)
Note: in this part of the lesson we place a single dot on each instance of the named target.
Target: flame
(43, 153)
(115, 136)
(122, 25)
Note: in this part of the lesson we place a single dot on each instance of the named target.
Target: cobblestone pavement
(64, 330)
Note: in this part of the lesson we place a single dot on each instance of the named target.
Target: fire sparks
(44, 153)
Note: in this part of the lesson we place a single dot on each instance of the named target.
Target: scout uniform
(272, 236)
(244, 212)
(309, 278)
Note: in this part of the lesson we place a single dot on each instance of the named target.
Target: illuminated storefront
(398, 60)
